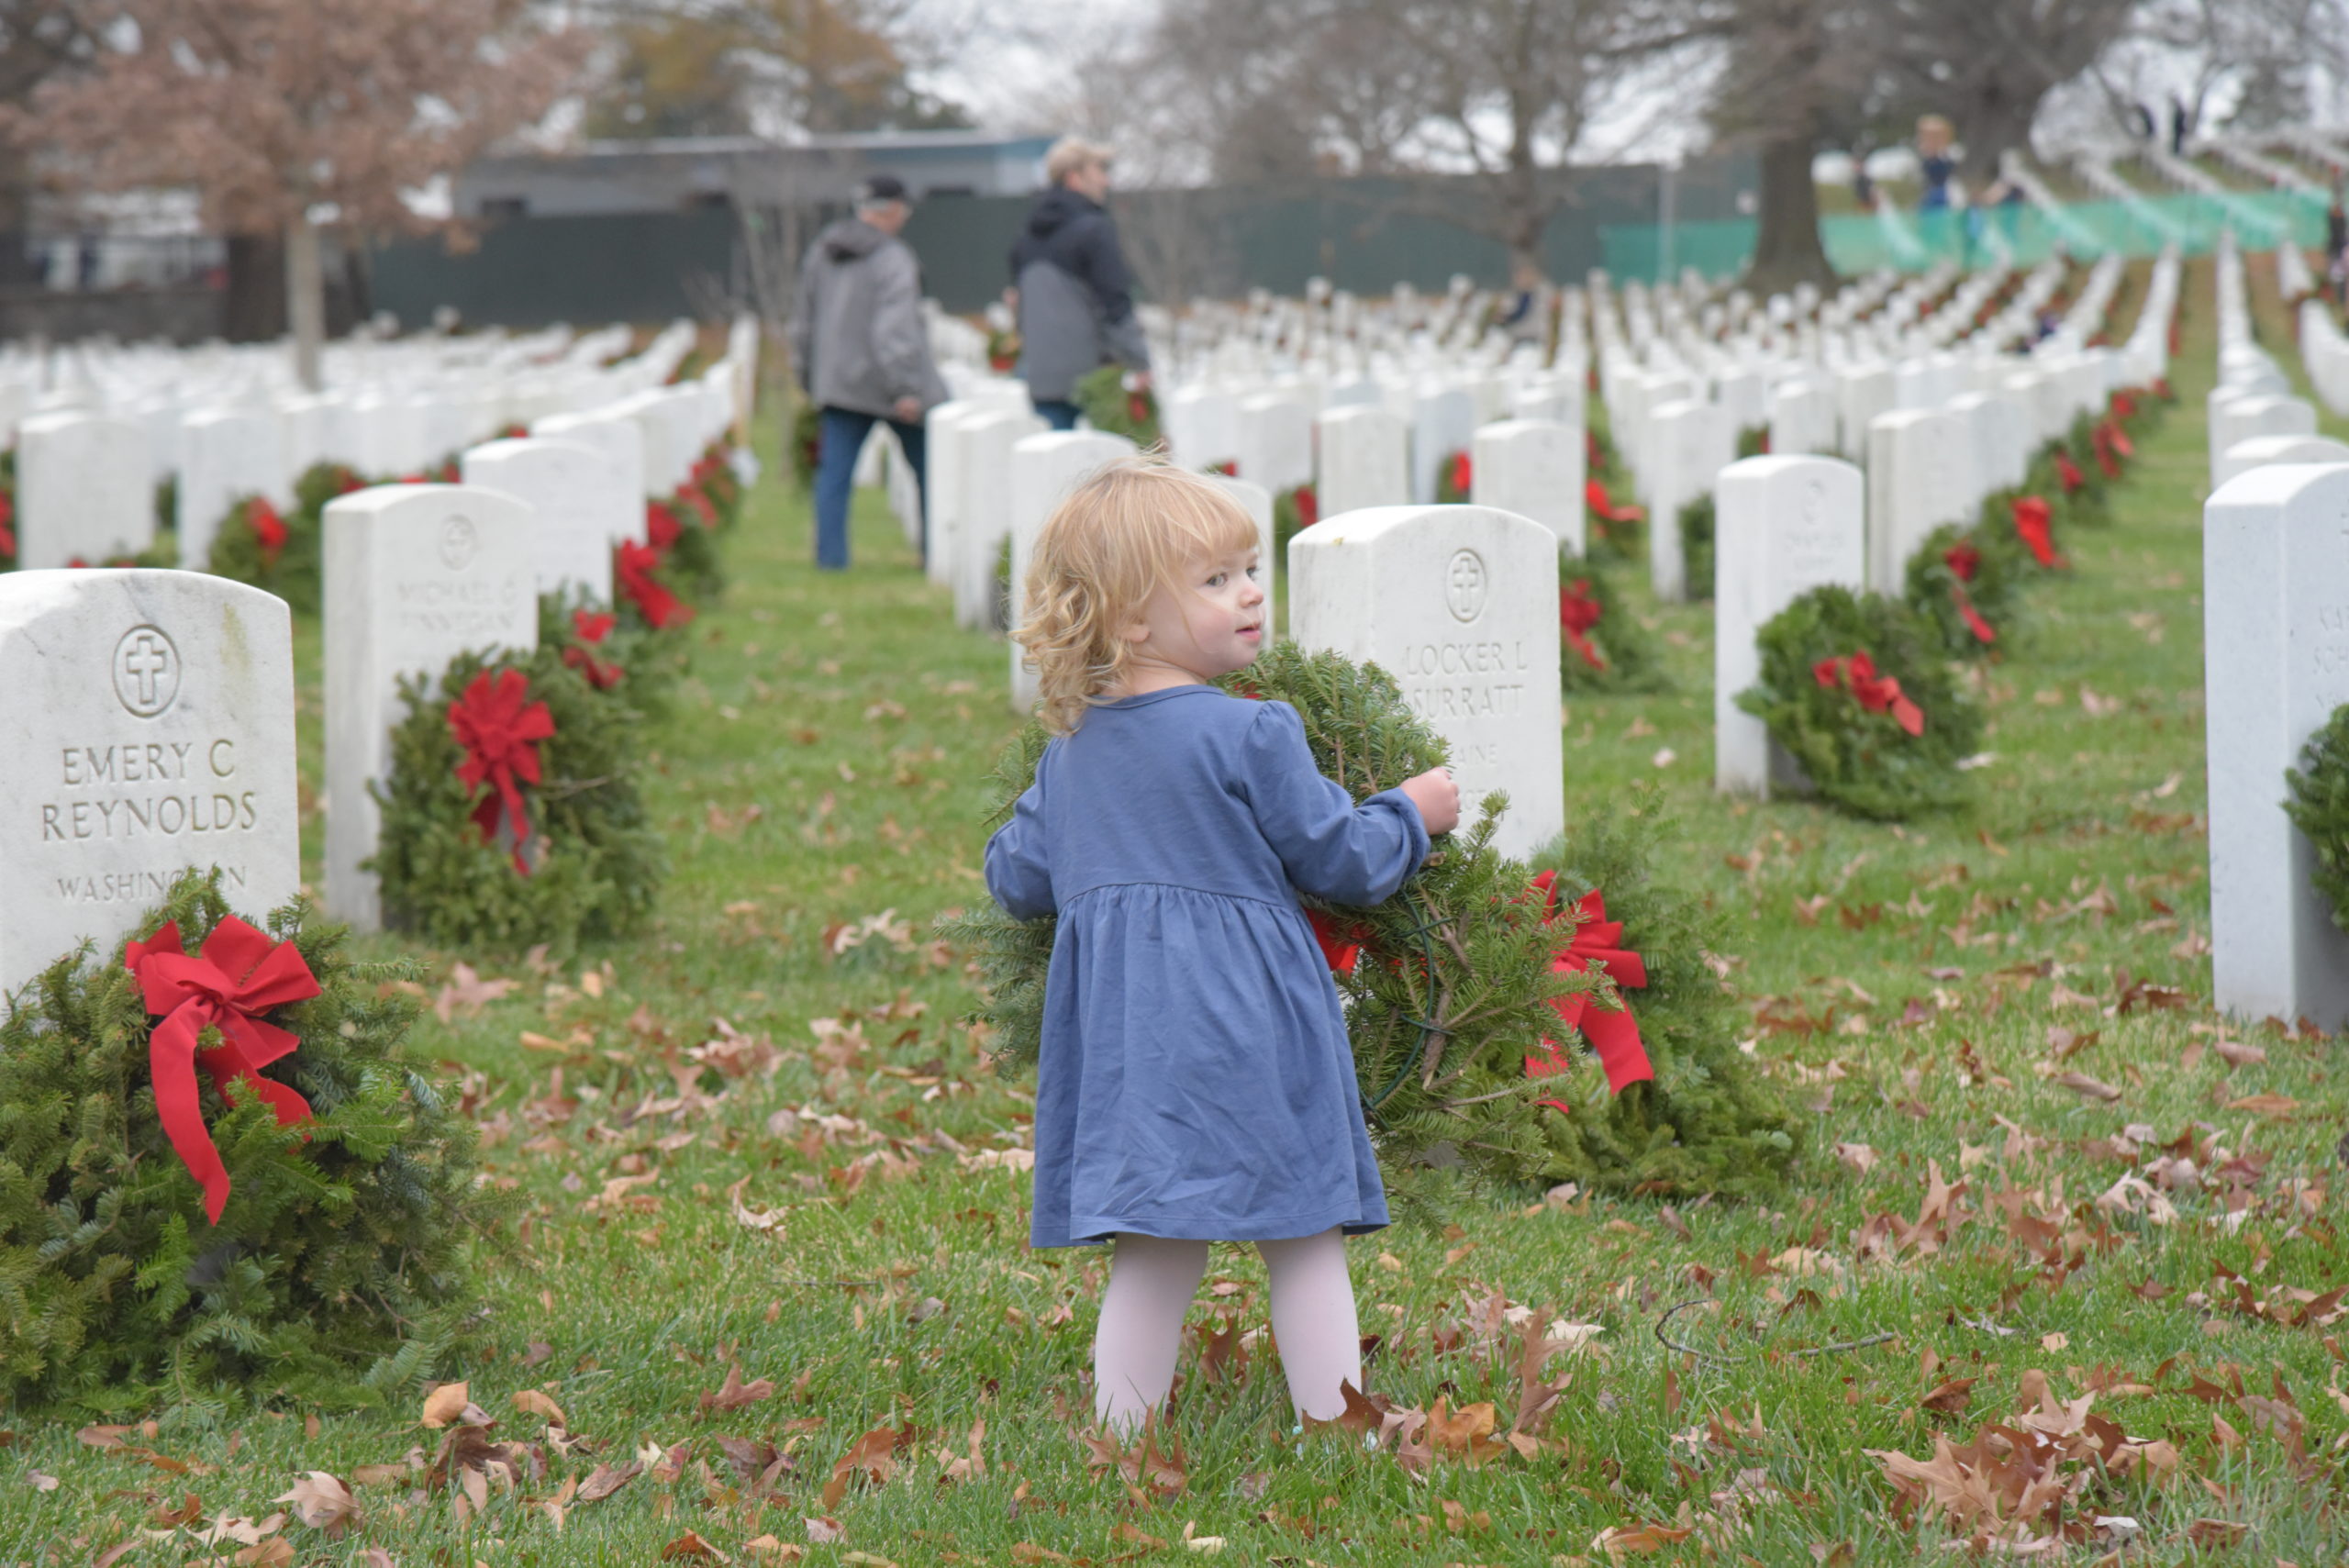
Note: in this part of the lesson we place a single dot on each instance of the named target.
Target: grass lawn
(1989, 1019)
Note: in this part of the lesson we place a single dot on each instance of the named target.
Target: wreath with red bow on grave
(511, 816)
(276, 550)
(1603, 646)
(1464, 994)
(1294, 510)
(1968, 584)
(230, 1114)
(1109, 404)
(1455, 479)
(2316, 800)
(1856, 690)
(619, 657)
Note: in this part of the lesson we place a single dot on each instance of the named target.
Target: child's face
(1209, 623)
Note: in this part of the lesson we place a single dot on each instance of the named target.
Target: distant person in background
(1863, 183)
(1934, 162)
(1524, 317)
(1073, 288)
(2177, 126)
(861, 353)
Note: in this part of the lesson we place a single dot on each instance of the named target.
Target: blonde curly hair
(1131, 526)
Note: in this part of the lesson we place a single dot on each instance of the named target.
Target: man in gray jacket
(1076, 305)
(861, 352)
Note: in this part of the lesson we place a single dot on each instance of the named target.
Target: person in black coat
(1074, 288)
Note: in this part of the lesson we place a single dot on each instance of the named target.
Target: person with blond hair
(1193, 1081)
(1074, 289)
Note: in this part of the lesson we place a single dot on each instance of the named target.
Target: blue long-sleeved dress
(1194, 1079)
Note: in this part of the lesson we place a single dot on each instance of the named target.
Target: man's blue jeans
(841, 435)
(1057, 412)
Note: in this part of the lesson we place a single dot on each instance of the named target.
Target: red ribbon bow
(268, 529)
(2125, 407)
(634, 564)
(240, 975)
(661, 526)
(1615, 1036)
(1308, 506)
(591, 628)
(1336, 952)
(1964, 559)
(7, 516)
(2069, 472)
(1463, 473)
(1138, 407)
(1877, 693)
(1578, 611)
(1595, 496)
(1980, 628)
(2034, 522)
(499, 728)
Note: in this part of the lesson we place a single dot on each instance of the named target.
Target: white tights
(1151, 1280)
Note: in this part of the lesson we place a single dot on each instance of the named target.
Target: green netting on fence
(1911, 241)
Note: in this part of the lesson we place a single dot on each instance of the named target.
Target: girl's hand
(1437, 799)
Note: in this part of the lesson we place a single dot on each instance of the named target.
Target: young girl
(1194, 1081)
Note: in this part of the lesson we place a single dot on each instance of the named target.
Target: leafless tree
(1473, 110)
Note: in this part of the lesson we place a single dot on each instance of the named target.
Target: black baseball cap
(881, 188)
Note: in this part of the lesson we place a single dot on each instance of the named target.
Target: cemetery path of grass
(1920, 992)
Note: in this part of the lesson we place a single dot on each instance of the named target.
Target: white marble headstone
(84, 490)
(1534, 468)
(1913, 463)
(1275, 442)
(414, 575)
(620, 442)
(1460, 606)
(984, 508)
(2259, 450)
(152, 723)
(1782, 526)
(1364, 458)
(565, 484)
(2275, 665)
(226, 455)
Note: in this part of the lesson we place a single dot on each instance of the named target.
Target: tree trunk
(1787, 250)
(306, 301)
(255, 309)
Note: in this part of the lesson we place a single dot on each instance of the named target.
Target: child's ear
(1135, 632)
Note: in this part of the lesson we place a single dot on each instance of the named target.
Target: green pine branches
(597, 859)
(337, 1274)
(2317, 804)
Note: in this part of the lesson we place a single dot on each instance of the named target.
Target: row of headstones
(154, 709)
(83, 491)
(155, 713)
(2252, 415)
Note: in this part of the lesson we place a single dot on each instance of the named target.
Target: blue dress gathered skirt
(1194, 1079)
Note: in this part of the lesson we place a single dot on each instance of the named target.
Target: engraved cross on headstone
(145, 662)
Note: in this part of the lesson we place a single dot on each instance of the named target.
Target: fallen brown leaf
(322, 1502)
(691, 1547)
(531, 1401)
(607, 1479)
(2082, 1084)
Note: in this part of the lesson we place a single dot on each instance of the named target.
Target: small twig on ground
(1836, 1348)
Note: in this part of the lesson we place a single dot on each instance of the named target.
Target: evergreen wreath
(1455, 479)
(2318, 803)
(1294, 510)
(273, 551)
(807, 442)
(321, 482)
(1968, 584)
(688, 547)
(1708, 1121)
(1697, 546)
(1453, 981)
(1103, 397)
(451, 869)
(719, 487)
(336, 1273)
(1615, 530)
(1602, 646)
(621, 659)
(1853, 687)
